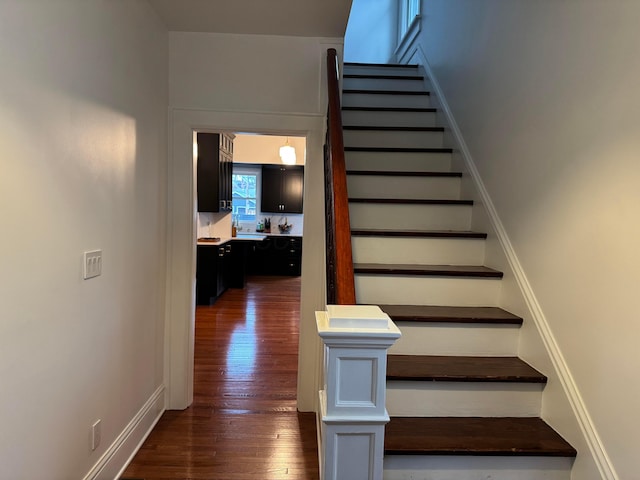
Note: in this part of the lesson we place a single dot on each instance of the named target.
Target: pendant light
(288, 154)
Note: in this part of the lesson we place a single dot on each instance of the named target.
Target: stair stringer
(562, 404)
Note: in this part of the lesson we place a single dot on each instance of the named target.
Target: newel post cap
(356, 321)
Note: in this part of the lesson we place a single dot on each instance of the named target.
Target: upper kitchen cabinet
(282, 188)
(215, 165)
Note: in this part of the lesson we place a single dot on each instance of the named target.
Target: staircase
(462, 404)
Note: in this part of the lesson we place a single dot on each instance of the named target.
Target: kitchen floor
(243, 423)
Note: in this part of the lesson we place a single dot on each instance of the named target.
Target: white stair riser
(384, 100)
(426, 251)
(403, 216)
(400, 84)
(425, 290)
(389, 119)
(483, 340)
(401, 139)
(378, 186)
(399, 161)
(468, 467)
(373, 70)
(463, 399)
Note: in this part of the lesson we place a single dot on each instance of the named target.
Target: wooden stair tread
(397, 173)
(400, 149)
(371, 232)
(509, 436)
(461, 369)
(374, 128)
(412, 201)
(434, 270)
(446, 314)
(385, 92)
(378, 76)
(391, 109)
(381, 65)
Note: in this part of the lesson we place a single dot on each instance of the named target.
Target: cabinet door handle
(230, 204)
(228, 249)
(223, 204)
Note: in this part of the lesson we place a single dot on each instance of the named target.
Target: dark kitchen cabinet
(282, 189)
(213, 272)
(277, 255)
(214, 170)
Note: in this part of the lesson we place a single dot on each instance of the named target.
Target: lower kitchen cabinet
(213, 272)
(277, 255)
(219, 267)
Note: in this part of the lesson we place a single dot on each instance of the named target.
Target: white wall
(545, 94)
(265, 148)
(251, 73)
(83, 96)
(371, 32)
(244, 83)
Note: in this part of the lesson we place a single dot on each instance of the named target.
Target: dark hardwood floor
(243, 423)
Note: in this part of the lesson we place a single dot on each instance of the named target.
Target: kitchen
(249, 202)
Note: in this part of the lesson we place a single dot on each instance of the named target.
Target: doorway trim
(181, 244)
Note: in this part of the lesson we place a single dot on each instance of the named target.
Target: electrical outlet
(92, 264)
(96, 433)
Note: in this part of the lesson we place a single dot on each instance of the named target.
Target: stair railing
(340, 283)
(356, 338)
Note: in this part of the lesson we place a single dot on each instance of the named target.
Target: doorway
(182, 234)
(250, 219)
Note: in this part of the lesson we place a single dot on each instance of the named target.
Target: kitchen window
(245, 182)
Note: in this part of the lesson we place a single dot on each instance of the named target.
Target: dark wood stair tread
(507, 436)
(412, 201)
(385, 92)
(377, 76)
(461, 369)
(427, 270)
(391, 109)
(379, 65)
(370, 232)
(446, 314)
(375, 128)
(398, 173)
(399, 149)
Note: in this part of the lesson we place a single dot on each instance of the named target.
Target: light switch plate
(92, 264)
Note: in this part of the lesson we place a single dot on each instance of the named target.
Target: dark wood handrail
(340, 283)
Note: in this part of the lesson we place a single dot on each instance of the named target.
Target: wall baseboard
(116, 458)
(563, 373)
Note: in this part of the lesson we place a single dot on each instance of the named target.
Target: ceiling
(303, 18)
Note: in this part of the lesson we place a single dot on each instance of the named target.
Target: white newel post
(352, 404)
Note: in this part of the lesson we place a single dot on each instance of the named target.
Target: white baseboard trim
(116, 458)
(569, 386)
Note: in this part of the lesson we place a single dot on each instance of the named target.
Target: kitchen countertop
(248, 237)
(272, 234)
(241, 237)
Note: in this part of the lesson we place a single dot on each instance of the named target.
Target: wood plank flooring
(243, 423)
